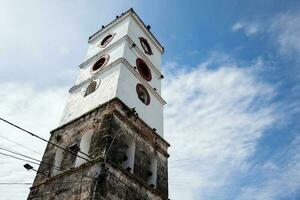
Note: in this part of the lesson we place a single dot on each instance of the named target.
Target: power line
(111, 144)
(71, 182)
(15, 183)
(20, 145)
(19, 154)
(34, 135)
(19, 158)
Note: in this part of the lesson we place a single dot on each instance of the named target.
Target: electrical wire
(11, 156)
(111, 144)
(19, 154)
(34, 135)
(33, 151)
(75, 182)
(15, 183)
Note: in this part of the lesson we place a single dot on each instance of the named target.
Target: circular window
(91, 88)
(143, 94)
(146, 46)
(143, 69)
(100, 63)
(106, 40)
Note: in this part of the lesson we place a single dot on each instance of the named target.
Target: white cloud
(237, 26)
(214, 117)
(286, 30)
(35, 110)
(280, 181)
(41, 37)
(213, 120)
(249, 29)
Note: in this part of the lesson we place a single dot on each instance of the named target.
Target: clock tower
(109, 143)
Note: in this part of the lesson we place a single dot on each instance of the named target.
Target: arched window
(143, 94)
(143, 69)
(146, 46)
(152, 172)
(91, 88)
(57, 162)
(128, 157)
(84, 148)
(100, 63)
(107, 40)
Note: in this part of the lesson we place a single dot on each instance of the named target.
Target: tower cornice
(118, 19)
(111, 102)
(136, 50)
(130, 68)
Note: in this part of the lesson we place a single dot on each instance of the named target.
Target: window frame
(141, 88)
(141, 67)
(146, 46)
(86, 90)
(108, 40)
(106, 57)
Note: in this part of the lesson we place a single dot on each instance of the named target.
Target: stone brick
(83, 182)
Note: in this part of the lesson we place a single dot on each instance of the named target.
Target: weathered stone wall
(110, 122)
(75, 184)
(116, 185)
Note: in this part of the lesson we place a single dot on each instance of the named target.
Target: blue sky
(232, 87)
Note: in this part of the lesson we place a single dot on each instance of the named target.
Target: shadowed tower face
(109, 143)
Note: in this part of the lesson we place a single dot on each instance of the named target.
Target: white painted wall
(118, 80)
(84, 148)
(153, 169)
(121, 29)
(152, 114)
(78, 104)
(131, 56)
(129, 153)
(114, 54)
(57, 162)
(135, 31)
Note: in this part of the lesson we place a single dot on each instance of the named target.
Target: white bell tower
(123, 61)
(111, 133)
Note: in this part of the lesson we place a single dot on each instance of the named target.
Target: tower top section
(124, 15)
(123, 61)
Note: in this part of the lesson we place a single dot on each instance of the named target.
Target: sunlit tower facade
(109, 143)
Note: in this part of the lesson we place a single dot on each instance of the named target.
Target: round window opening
(146, 46)
(91, 88)
(143, 69)
(143, 94)
(107, 40)
(100, 63)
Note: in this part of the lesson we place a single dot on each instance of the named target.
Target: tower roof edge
(118, 18)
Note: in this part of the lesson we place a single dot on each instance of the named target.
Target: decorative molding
(137, 51)
(131, 68)
(120, 19)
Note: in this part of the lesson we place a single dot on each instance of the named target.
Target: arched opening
(143, 69)
(100, 63)
(143, 94)
(152, 172)
(128, 157)
(146, 46)
(91, 88)
(106, 40)
(57, 162)
(84, 148)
